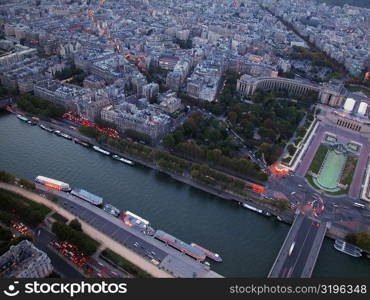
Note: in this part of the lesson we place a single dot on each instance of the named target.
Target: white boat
(124, 160)
(46, 128)
(260, 211)
(252, 208)
(96, 148)
(347, 248)
(22, 118)
(66, 136)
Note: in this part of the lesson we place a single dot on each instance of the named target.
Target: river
(247, 242)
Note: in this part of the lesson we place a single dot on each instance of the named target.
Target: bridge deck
(299, 252)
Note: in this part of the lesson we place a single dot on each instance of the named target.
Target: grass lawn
(124, 264)
(318, 159)
(59, 218)
(23, 208)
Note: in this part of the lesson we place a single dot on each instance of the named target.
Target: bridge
(299, 252)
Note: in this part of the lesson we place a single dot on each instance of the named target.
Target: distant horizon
(359, 3)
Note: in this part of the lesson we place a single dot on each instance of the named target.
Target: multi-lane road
(300, 250)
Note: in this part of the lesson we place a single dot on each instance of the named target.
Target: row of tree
(205, 174)
(38, 106)
(170, 162)
(22, 208)
(7, 177)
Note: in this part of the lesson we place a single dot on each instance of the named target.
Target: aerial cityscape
(184, 139)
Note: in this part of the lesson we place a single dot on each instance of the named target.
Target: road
(337, 209)
(42, 238)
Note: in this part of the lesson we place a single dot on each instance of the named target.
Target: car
(359, 205)
(293, 193)
(315, 224)
(291, 249)
(300, 185)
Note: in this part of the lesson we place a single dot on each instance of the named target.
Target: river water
(247, 242)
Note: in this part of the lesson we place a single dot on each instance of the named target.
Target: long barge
(82, 143)
(43, 127)
(63, 135)
(260, 211)
(121, 159)
(212, 255)
(87, 196)
(180, 245)
(98, 149)
(53, 183)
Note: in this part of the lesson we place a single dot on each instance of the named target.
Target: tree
(138, 135)
(75, 224)
(281, 204)
(27, 184)
(232, 116)
(169, 141)
(291, 149)
(363, 239)
(5, 234)
(81, 240)
(6, 177)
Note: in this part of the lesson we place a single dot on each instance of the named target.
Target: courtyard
(332, 162)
